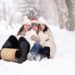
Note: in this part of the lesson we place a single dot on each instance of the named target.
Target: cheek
(42, 27)
(33, 28)
(36, 28)
(27, 27)
(24, 27)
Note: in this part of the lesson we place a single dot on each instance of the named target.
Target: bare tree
(62, 13)
(59, 12)
(48, 9)
(71, 9)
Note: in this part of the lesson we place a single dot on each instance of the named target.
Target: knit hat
(41, 20)
(26, 20)
(34, 20)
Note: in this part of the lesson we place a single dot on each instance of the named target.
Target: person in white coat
(35, 48)
(22, 41)
(46, 37)
(46, 40)
(38, 50)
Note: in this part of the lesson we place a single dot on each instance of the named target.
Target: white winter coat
(47, 39)
(28, 35)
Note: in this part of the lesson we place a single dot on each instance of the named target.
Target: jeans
(36, 47)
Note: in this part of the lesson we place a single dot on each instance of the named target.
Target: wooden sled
(10, 54)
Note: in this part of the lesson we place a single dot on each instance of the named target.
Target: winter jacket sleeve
(51, 43)
(35, 38)
(43, 38)
(47, 39)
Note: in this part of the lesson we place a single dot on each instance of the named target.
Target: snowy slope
(62, 64)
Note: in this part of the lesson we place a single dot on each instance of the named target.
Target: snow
(62, 64)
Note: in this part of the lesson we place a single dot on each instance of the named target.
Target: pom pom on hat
(34, 20)
(26, 20)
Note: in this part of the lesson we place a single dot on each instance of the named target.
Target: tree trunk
(71, 9)
(62, 13)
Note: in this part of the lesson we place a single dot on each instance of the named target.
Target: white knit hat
(41, 20)
(26, 20)
(34, 21)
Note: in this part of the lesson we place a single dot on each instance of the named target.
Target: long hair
(46, 28)
(20, 30)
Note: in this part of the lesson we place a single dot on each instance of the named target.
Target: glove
(35, 38)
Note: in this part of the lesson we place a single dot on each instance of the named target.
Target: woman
(35, 48)
(46, 40)
(23, 43)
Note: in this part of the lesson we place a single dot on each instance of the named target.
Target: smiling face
(27, 27)
(42, 27)
(35, 27)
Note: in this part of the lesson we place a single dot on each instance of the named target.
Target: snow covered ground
(62, 64)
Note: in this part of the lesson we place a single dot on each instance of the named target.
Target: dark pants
(12, 42)
(45, 52)
(38, 49)
(21, 44)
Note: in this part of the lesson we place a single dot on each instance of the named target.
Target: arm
(35, 38)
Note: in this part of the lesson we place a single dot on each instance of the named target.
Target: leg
(32, 55)
(45, 52)
(24, 47)
(35, 48)
(12, 42)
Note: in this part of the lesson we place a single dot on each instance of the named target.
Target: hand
(35, 38)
